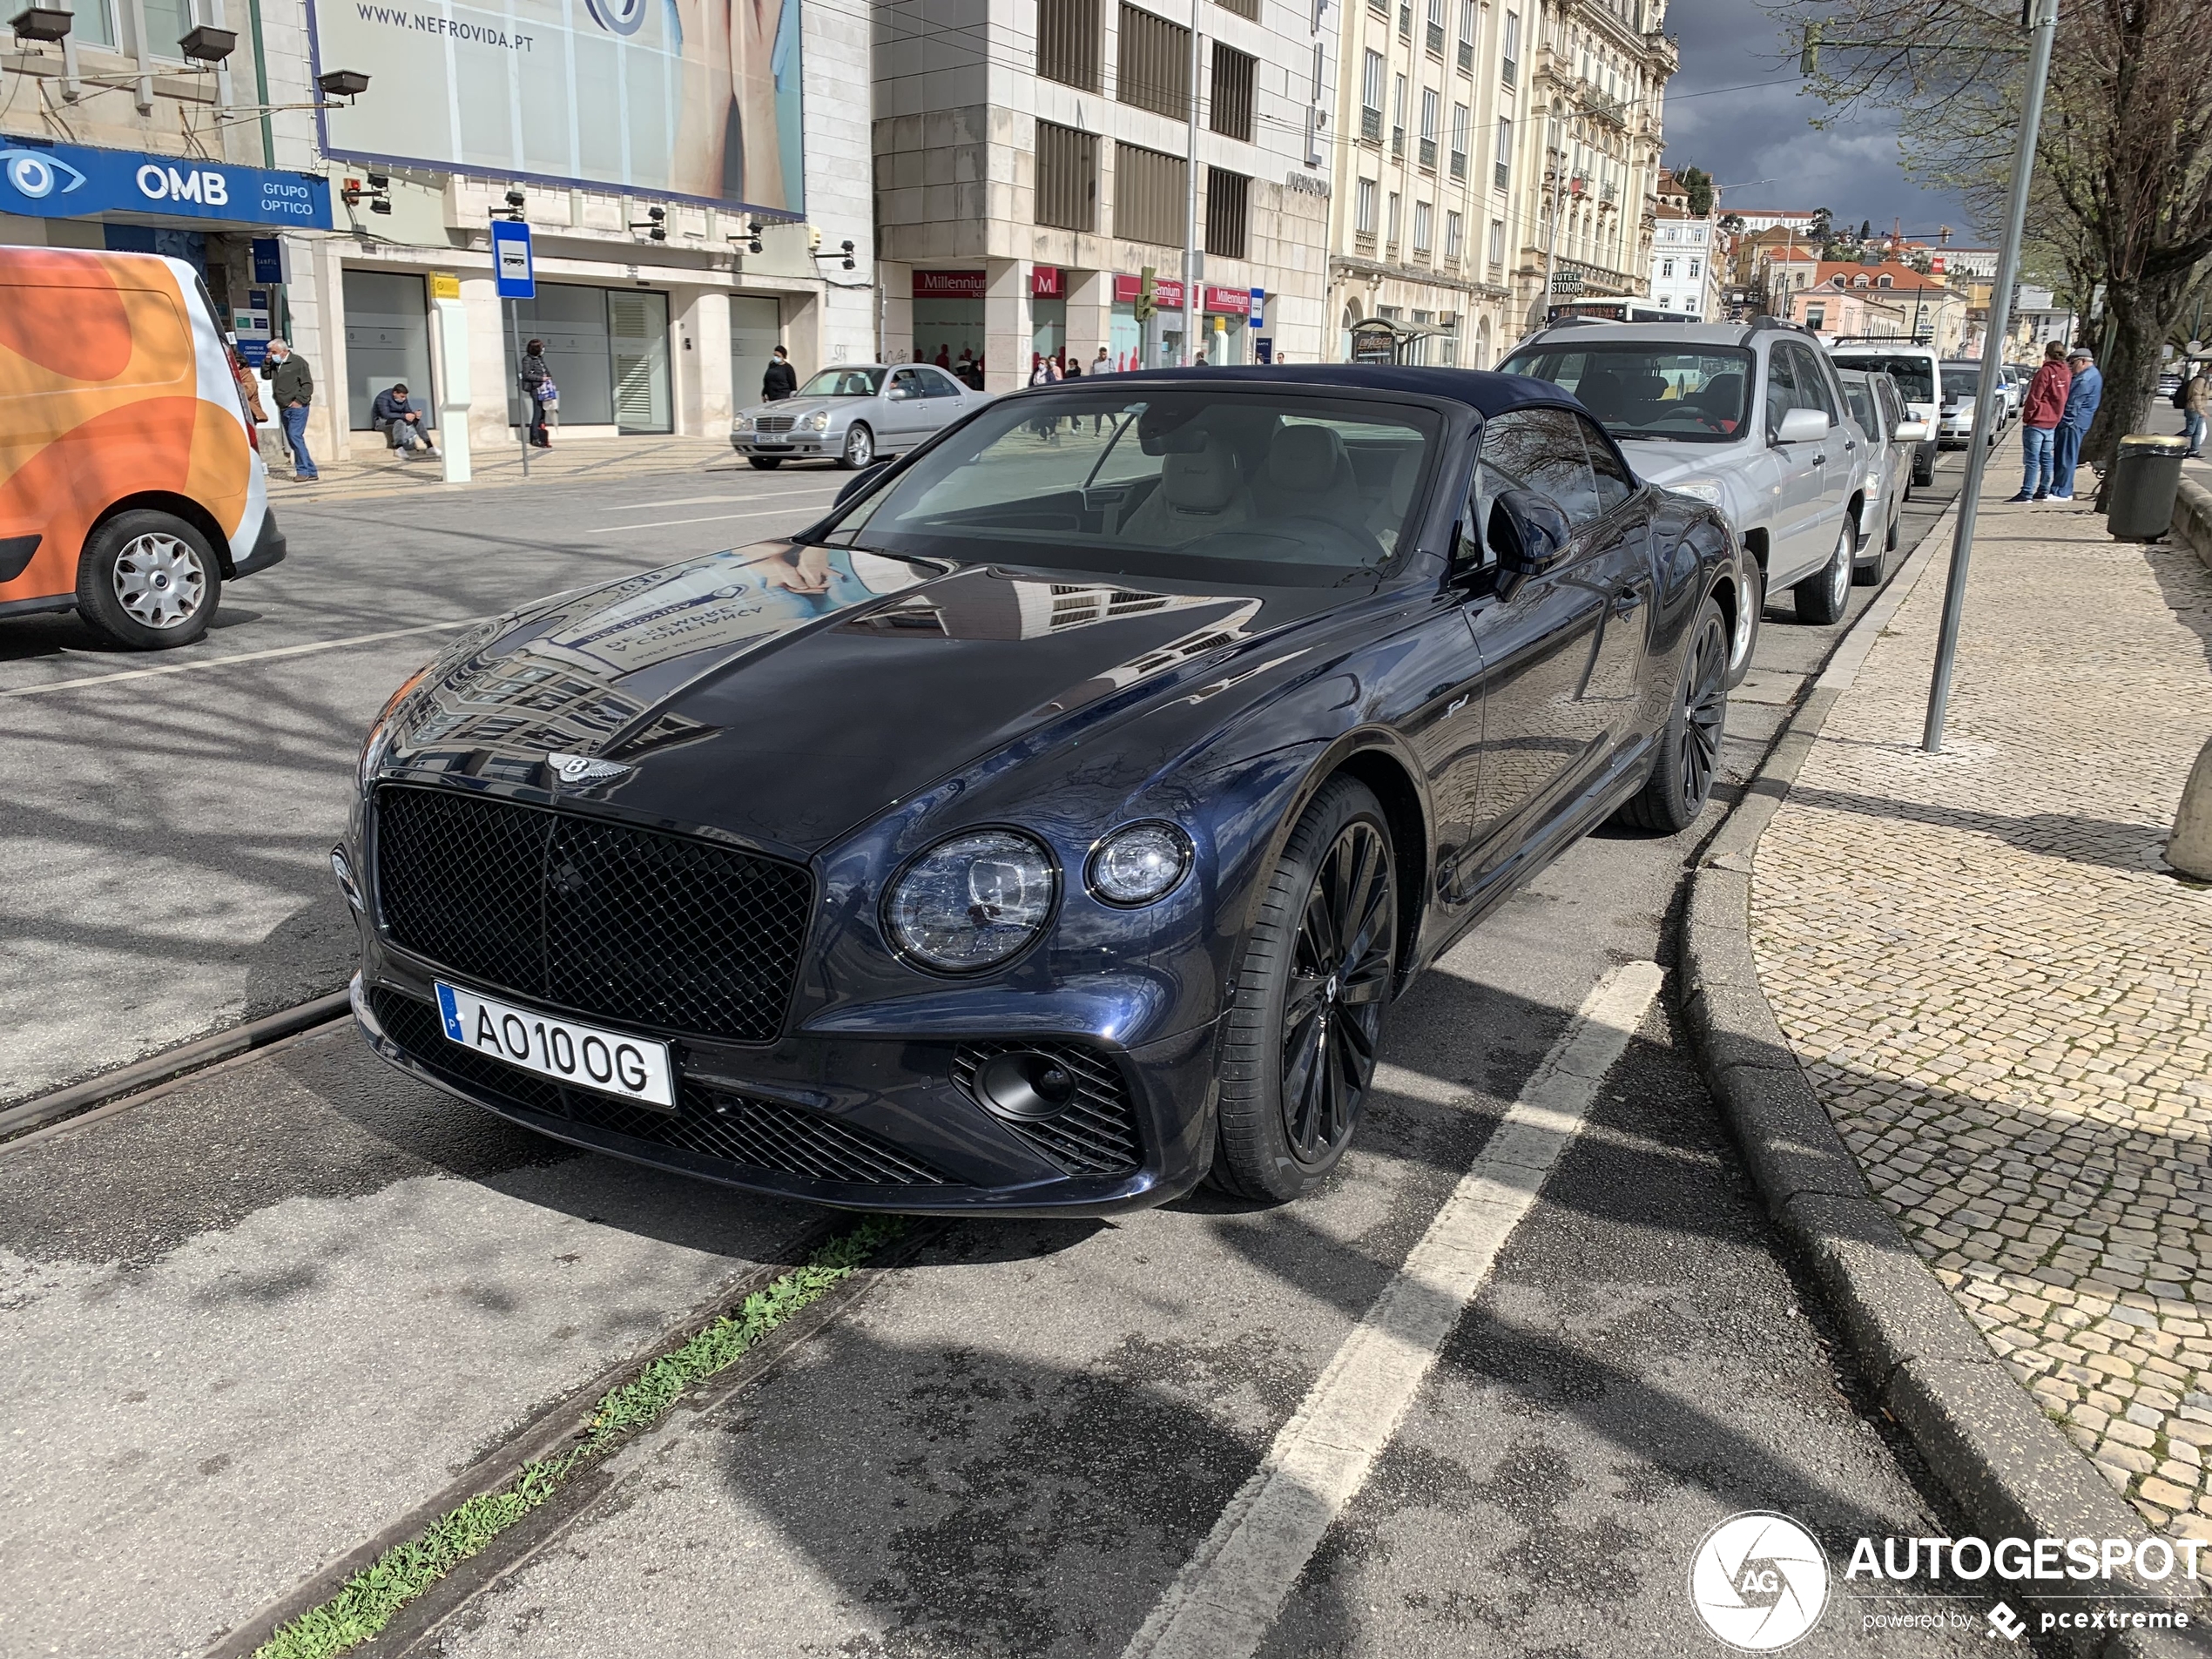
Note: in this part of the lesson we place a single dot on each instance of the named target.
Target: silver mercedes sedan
(851, 414)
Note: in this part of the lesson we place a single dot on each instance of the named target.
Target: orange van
(130, 488)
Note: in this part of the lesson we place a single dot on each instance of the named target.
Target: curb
(2007, 1465)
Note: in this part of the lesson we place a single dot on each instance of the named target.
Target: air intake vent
(1096, 1134)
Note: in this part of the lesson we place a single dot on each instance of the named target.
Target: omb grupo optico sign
(71, 180)
(688, 99)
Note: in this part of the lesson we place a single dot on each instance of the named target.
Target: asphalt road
(255, 1319)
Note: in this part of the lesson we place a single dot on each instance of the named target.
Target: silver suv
(1749, 417)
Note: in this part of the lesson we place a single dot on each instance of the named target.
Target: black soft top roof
(1477, 388)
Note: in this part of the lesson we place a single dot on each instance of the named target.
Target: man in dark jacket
(394, 414)
(780, 379)
(293, 387)
(2081, 399)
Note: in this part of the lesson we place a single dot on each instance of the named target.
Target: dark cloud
(1763, 131)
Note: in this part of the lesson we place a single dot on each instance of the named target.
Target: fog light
(342, 869)
(1027, 1086)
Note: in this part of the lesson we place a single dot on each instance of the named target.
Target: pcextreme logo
(1759, 1581)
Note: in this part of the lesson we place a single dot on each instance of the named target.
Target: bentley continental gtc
(1051, 826)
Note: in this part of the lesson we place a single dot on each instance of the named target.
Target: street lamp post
(2043, 22)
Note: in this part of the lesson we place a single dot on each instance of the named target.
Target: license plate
(613, 1062)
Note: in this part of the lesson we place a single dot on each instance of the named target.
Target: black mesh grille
(737, 1130)
(1096, 1134)
(632, 925)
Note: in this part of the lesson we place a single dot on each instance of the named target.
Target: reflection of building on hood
(1022, 610)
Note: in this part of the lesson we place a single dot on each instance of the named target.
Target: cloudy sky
(1761, 131)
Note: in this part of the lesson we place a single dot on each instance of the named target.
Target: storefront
(756, 328)
(949, 314)
(387, 340)
(607, 350)
(1048, 311)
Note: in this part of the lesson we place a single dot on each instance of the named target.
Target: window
(1371, 95)
(1815, 390)
(1466, 36)
(167, 22)
(1390, 234)
(1497, 241)
(1667, 268)
(937, 384)
(1459, 141)
(1226, 195)
(1422, 223)
(1148, 189)
(1816, 316)
(1314, 93)
(1154, 72)
(1232, 92)
(1067, 195)
(1242, 7)
(1782, 394)
(1679, 395)
(1430, 104)
(1540, 450)
(1433, 36)
(1397, 117)
(1405, 19)
(94, 24)
(1611, 478)
(1693, 268)
(1455, 236)
(1363, 207)
(1510, 67)
(1068, 41)
(1502, 173)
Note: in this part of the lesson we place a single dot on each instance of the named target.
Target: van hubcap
(160, 580)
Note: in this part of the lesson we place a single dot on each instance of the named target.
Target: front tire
(764, 463)
(860, 448)
(1924, 465)
(1750, 610)
(148, 581)
(1689, 744)
(1821, 597)
(1298, 1044)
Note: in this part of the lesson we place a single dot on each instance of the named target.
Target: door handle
(1850, 444)
(1626, 601)
(1820, 460)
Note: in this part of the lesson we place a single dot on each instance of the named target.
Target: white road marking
(701, 501)
(709, 518)
(1231, 1590)
(247, 656)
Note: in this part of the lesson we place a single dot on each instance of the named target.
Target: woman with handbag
(538, 388)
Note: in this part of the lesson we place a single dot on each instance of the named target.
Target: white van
(1918, 374)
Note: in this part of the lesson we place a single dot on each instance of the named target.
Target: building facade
(1889, 300)
(1034, 157)
(1685, 266)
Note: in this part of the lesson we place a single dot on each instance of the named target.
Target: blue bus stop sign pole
(515, 274)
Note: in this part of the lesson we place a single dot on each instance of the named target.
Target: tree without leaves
(2123, 194)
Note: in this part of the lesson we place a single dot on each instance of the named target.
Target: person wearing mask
(2196, 401)
(2081, 399)
(394, 414)
(534, 375)
(2040, 412)
(780, 380)
(293, 389)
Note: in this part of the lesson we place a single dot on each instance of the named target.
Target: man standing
(2081, 399)
(293, 387)
(2040, 412)
(780, 379)
(1103, 363)
(2196, 398)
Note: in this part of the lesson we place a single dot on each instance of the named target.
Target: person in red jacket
(2040, 411)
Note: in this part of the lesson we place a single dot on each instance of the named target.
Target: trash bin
(2139, 497)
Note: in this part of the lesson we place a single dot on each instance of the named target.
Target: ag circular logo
(1759, 1581)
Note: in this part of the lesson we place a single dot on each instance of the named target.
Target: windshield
(1269, 487)
(843, 382)
(1684, 395)
(1860, 396)
(1960, 381)
(1913, 375)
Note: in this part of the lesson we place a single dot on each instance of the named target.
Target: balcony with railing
(1370, 124)
(1466, 57)
(1501, 176)
(1397, 143)
(1428, 155)
(1508, 70)
(1458, 163)
(1435, 38)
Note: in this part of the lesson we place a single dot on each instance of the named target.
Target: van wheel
(148, 581)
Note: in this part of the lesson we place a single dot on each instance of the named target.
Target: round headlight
(817, 422)
(973, 902)
(1139, 864)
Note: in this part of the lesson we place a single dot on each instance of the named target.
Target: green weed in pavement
(367, 1601)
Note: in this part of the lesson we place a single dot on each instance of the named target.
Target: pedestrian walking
(2081, 399)
(780, 380)
(293, 389)
(537, 378)
(2196, 401)
(1103, 363)
(2040, 412)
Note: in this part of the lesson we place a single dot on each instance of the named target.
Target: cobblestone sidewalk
(2002, 995)
(380, 473)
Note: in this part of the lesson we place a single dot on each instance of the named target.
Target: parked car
(131, 487)
(2169, 383)
(1961, 402)
(1878, 407)
(1919, 374)
(1748, 417)
(1055, 825)
(851, 414)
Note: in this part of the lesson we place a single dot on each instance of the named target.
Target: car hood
(795, 405)
(787, 718)
(1668, 464)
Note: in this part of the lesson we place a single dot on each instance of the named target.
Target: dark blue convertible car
(1051, 826)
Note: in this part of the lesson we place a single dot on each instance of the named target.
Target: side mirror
(1912, 432)
(859, 482)
(1802, 426)
(1527, 532)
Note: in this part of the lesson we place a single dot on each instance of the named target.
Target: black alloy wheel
(1300, 1041)
(1689, 744)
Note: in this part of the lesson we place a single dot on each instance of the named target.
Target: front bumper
(814, 445)
(855, 1122)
